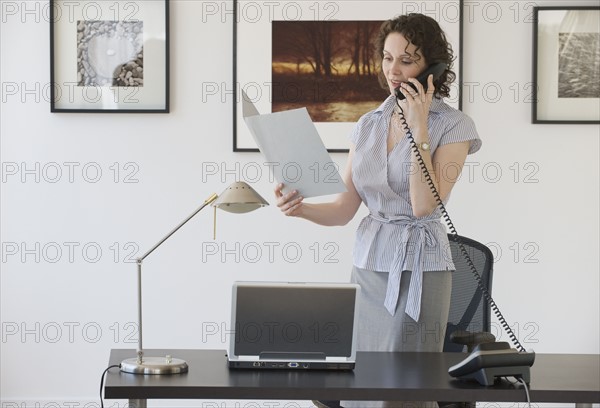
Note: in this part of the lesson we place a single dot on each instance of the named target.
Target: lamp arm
(209, 200)
(140, 352)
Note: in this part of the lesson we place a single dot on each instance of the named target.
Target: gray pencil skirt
(380, 331)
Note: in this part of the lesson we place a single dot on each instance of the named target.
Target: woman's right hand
(291, 203)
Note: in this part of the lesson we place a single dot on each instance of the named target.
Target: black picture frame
(109, 57)
(566, 79)
(252, 63)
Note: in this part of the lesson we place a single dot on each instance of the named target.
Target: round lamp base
(154, 365)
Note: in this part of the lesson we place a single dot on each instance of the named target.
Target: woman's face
(400, 61)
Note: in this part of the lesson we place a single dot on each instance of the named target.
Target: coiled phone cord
(455, 236)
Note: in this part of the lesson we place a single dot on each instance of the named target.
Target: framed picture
(109, 56)
(320, 55)
(566, 65)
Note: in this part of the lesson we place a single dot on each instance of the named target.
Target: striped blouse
(390, 239)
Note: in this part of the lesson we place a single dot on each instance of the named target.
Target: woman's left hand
(417, 103)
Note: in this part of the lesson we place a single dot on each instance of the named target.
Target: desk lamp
(237, 198)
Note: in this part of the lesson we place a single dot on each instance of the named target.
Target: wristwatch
(423, 146)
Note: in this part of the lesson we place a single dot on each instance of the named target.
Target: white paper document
(293, 150)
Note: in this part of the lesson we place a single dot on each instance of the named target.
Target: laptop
(293, 326)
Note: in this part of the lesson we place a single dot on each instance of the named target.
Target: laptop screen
(308, 318)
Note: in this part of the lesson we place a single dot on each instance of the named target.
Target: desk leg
(138, 403)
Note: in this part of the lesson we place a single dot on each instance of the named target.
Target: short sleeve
(356, 130)
(461, 129)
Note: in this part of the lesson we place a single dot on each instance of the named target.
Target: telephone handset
(435, 69)
(487, 360)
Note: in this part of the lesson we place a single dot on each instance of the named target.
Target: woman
(401, 257)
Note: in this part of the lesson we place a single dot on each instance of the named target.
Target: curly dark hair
(426, 34)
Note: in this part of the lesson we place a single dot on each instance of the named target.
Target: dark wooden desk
(568, 378)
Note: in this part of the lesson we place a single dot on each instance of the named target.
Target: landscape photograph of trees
(329, 67)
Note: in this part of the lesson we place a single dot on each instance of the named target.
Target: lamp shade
(239, 198)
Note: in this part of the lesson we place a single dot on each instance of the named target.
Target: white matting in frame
(253, 51)
(109, 56)
(566, 65)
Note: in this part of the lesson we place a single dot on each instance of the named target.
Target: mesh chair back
(468, 308)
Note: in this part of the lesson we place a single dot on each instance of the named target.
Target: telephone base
(490, 360)
(487, 376)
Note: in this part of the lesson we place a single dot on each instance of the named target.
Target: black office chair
(469, 319)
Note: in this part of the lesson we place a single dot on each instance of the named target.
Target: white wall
(62, 312)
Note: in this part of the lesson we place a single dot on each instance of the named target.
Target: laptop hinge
(279, 355)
